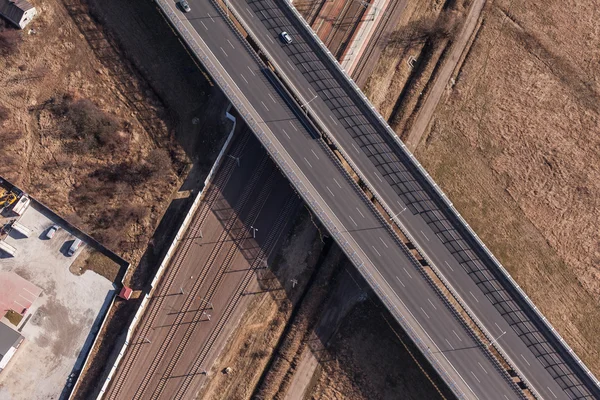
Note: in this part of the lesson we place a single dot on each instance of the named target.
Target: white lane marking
(14, 301)
(250, 12)
(425, 235)
(452, 347)
(252, 72)
(378, 254)
(474, 296)
(407, 273)
(315, 154)
(482, 367)
(424, 312)
(231, 44)
(500, 329)
(355, 148)
(361, 214)
(224, 52)
(31, 293)
(311, 92)
(210, 16)
(264, 105)
(330, 116)
(272, 98)
(432, 305)
(402, 283)
(456, 334)
(506, 397)
(352, 219)
(31, 301)
(378, 177)
(245, 80)
(291, 66)
(307, 162)
(432, 341)
(386, 246)
(337, 183)
(330, 191)
(400, 204)
(205, 27)
(270, 39)
(552, 392)
(293, 126)
(524, 359)
(449, 266)
(475, 376)
(286, 134)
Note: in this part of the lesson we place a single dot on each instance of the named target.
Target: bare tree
(434, 29)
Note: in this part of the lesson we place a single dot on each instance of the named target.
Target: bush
(10, 41)
(159, 163)
(8, 138)
(89, 127)
(4, 113)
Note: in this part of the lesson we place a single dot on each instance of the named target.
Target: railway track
(311, 15)
(346, 23)
(167, 280)
(240, 236)
(268, 247)
(200, 281)
(361, 73)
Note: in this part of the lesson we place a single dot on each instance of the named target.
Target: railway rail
(240, 236)
(167, 282)
(258, 262)
(157, 361)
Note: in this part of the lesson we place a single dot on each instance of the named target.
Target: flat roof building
(19, 12)
(10, 340)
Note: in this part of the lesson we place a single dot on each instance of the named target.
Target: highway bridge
(512, 324)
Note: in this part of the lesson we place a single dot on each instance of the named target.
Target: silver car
(184, 6)
(285, 37)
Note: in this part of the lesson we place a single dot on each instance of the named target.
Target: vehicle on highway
(285, 37)
(185, 7)
(76, 245)
(53, 229)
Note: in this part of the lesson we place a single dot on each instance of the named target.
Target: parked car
(53, 229)
(285, 37)
(185, 7)
(76, 245)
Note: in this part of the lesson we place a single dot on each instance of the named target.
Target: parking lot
(62, 320)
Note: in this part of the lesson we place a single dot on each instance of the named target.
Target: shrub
(89, 127)
(10, 41)
(4, 113)
(159, 163)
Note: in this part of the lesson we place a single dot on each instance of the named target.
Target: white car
(285, 37)
(52, 231)
(184, 6)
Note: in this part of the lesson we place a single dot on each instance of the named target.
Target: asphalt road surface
(461, 360)
(185, 322)
(548, 366)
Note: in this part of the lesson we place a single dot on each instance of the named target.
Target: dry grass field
(70, 135)
(516, 146)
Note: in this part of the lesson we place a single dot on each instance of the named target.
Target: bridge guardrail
(441, 194)
(346, 246)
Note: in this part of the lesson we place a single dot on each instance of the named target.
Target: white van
(76, 245)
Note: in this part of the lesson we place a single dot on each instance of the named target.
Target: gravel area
(63, 320)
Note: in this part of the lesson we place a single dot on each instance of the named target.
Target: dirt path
(440, 83)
